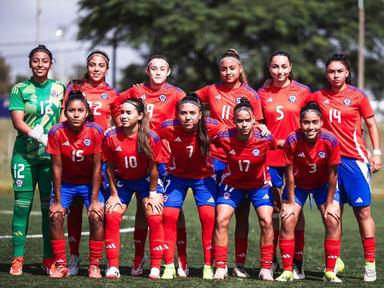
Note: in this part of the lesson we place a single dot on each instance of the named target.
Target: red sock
(74, 225)
(58, 252)
(182, 246)
(369, 245)
(139, 237)
(95, 251)
(221, 255)
(241, 246)
(275, 242)
(299, 245)
(207, 219)
(332, 251)
(170, 216)
(287, 248)
(156, 239)
(266, 256)
(112, 238)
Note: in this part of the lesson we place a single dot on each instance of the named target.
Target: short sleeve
(288, 153)
(53, 146)
(16, 101)
(365, 107)
(98, 141)
(203, 94)
(334, 150)
(156, 147)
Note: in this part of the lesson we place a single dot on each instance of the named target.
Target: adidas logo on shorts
(359, 200)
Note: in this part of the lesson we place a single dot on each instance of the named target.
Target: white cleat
(112, 273)
(154, 274)
(240, 272)
(221, 274)
(298, 271)
(183, 273)
(74, 265)
(266, 274)
(370, 272)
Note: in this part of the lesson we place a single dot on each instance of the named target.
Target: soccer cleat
(298, 271)
(17, 266)
(74, 264)
(181, 272)
(266, 274)
(169, 272)
(331, 277)
(138, 271)
(370, 272)
(240, 272)
(112, 273)
(207, 272)
(154, 274)
(285, 276)
(94, 272)
(221, 274)
(339, 266)
(46, 265)
(59, 271)
(275, 265)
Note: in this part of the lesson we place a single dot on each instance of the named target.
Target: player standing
(343, 106)
(75, 148)
(35, 106)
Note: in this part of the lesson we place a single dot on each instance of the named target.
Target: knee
(363, 214)
(222, 222)
(266, 225)
(57, 219)
(332, 224)
(95, 220)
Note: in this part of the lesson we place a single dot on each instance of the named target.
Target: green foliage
(5, 84)
(193, 34)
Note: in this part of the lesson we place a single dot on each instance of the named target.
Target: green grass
(352, 254)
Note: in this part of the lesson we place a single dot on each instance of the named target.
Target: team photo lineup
(85, 144)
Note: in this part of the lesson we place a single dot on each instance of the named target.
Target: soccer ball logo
(87, 142)
(292, 98)
(347, 101)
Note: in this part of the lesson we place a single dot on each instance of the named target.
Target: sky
(18, 36)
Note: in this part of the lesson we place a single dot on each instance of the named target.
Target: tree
(5, 84)
(193, 34)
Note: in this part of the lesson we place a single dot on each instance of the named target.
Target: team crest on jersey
(162, 98)
(104, 96)
(292, 98)
(322, 154)
(19, 183)
(218, 97)
(54, 94)
(256, 152)
(347, 101)
(87, 142)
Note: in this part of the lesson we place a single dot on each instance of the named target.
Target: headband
(229, 57)
(97, 54)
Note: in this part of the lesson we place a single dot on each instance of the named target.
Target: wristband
(152, 194)
(376, 152)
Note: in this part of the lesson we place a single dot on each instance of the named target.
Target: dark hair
(282, 53)
(243, 104)
(156, 57)
(201, 126)
(310, 106)
(40, 48)
(233, 54)
(338, 57)
(101, 53)
(78, 95)
(143, 134)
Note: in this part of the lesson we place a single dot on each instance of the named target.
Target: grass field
(352, 254)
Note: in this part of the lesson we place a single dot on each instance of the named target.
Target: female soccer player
(35, 106)
(160, 98)
(282, 98)
(221, 99)
(343, 106)
(75, 148)
(246, 175)
(312, 156)
(102, 100)
(189, 167)
(132, 153)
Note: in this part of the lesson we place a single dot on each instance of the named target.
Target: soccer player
(160, 98)
(221, 99)
(312, 156)
(343, 106)
(189, 167)
(102, 100)
(246, 175)
(75, 148)
(132, 154)
(282, 98)
(35, 106)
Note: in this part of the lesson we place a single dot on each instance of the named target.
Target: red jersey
(76, 150)
(125, 156)
(281, 109)
(102, 101)
(246, 160)
(222, 100)
(186, 160)
(342, 112)
(311, 161)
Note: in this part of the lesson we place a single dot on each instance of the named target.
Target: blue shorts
(259, 197)
(319, 195)
(354, 181)
(126, 188)
(70, 191)
(176, 188)
(105, 180)
(162, 167)
(277, 176)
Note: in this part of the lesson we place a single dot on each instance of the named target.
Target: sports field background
(351, 253)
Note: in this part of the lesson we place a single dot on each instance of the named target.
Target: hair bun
(244, 100)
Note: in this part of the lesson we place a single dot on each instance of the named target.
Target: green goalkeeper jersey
(41, 103)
